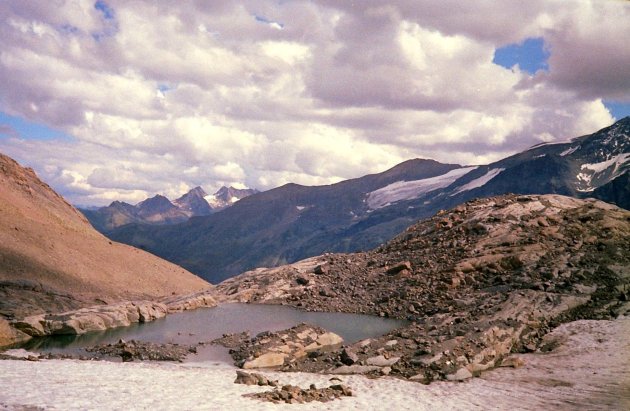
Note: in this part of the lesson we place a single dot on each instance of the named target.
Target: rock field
(478, 282)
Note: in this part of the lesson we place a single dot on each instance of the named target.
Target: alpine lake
(206, 324)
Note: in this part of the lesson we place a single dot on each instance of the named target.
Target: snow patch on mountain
(584, 180)
(569, 151)
(409, 190)
(589, 170)
(616, 161)
(214, 201)
(479, 182)
(227, 196)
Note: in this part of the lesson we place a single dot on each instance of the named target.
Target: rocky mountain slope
(51, 259)
(482, 280)
(293, 222)
(160, 210)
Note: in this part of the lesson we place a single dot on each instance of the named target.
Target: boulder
(514, 362)
(246, 378)
(405, 265)
(243, 377)
(349, 357)
(301, 280)
(267, 360)
(328, 339)
(321, 269)
(33, 325)
(9, 335)
(460, 375)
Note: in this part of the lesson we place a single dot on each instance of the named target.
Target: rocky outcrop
(143, 351)
(253, 378)
(281, 349)
(292, 394)
(97, 318)
(10, 335)
(190, 301)
(483, 280)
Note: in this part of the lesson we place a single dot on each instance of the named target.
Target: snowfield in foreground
(590, 369)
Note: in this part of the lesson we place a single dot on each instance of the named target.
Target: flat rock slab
(281, 348)
(267, 360)
(190, 301)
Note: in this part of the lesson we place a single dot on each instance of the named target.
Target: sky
(124, 99)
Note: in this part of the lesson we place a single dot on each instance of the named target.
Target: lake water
(206, 324)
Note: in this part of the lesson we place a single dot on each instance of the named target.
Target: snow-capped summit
(226, 196)
(160, 210)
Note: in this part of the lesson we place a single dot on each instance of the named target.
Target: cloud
(587, 52)
(160, 97)
(8, 130)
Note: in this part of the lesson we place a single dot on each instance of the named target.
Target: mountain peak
(226, 196)
(193, 202)
(158, 198)
(222, 191)
(194, 193)
(156, 204)
(198, 191)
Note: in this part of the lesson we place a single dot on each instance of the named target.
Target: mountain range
(160, 210)
(293, 222)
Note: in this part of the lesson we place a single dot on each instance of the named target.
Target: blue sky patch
(530, 55)
(272, 23)
(164, 88)
(108, 12)
(618, 110)
(11, 126)
(68, 29)
(110, 25)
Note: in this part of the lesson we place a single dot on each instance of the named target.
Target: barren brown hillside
(51, 259)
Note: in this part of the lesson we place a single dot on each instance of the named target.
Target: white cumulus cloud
(159, 97)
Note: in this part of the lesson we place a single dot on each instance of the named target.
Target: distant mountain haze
(292, 222)
(160, 210)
